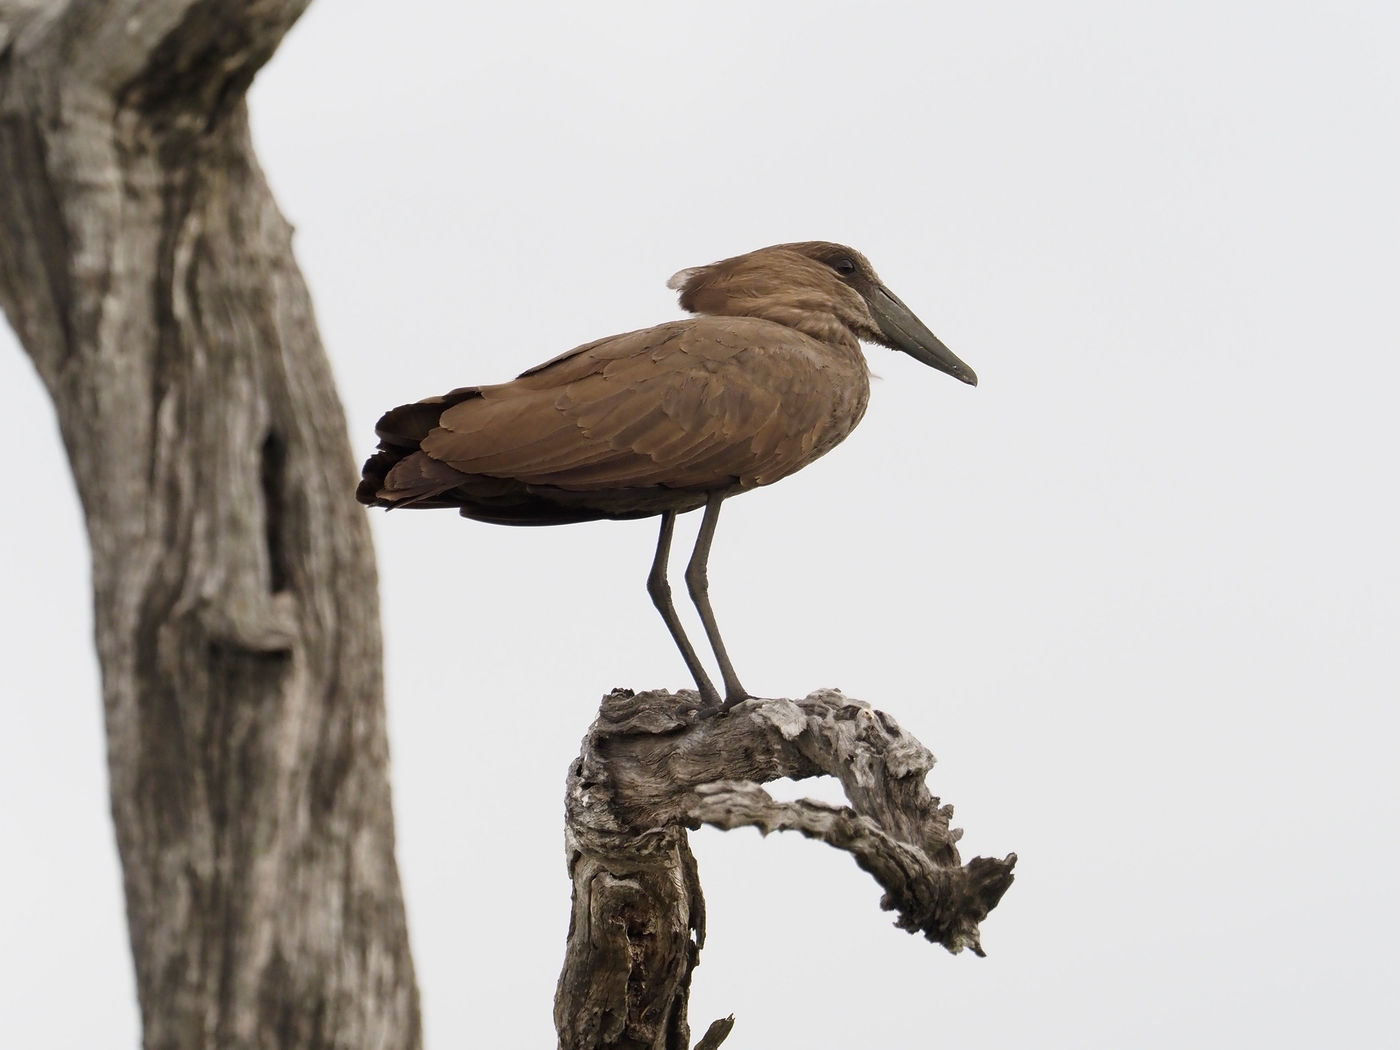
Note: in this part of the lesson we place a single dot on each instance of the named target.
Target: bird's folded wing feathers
(697, 403)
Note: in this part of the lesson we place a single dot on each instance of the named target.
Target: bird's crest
(681, 278)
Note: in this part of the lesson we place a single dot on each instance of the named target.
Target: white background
(1138, 591)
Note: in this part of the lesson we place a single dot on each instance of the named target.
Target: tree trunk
(149, 275)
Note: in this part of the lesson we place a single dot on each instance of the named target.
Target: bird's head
(825, 290)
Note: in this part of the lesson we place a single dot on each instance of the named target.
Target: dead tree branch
(646, 773)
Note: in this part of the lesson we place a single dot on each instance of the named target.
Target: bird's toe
(704, 705)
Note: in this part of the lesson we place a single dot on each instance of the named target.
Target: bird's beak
(906, 332)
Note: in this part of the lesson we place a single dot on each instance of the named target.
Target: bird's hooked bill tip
(964, 373)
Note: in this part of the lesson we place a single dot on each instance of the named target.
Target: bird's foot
(722, 707)
(705, 700)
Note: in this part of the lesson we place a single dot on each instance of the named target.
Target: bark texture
(149, 275)
(646, 773)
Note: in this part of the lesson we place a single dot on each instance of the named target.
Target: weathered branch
(646, 773)
(149, 276)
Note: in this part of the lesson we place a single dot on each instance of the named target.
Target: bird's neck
(813, 319)
(823, 326)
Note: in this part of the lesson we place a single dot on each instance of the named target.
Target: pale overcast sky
(1138, 591)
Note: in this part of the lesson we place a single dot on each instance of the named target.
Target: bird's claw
(702, 702)
(714, 707)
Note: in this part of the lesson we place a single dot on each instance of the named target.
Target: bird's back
(625, 427)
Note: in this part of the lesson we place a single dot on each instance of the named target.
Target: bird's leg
(697, 579)
(660, 590)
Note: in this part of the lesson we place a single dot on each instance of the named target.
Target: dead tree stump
(646, 774)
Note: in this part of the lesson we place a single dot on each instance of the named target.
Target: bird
(767, 377)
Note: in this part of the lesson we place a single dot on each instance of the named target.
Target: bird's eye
(845, 266)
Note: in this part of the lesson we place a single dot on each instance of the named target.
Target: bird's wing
(701, 403)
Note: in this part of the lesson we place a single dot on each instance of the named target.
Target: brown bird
(767, 379)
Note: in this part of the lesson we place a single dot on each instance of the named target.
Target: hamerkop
(769, 377)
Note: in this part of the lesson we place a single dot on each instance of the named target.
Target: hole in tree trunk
(274, 461)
